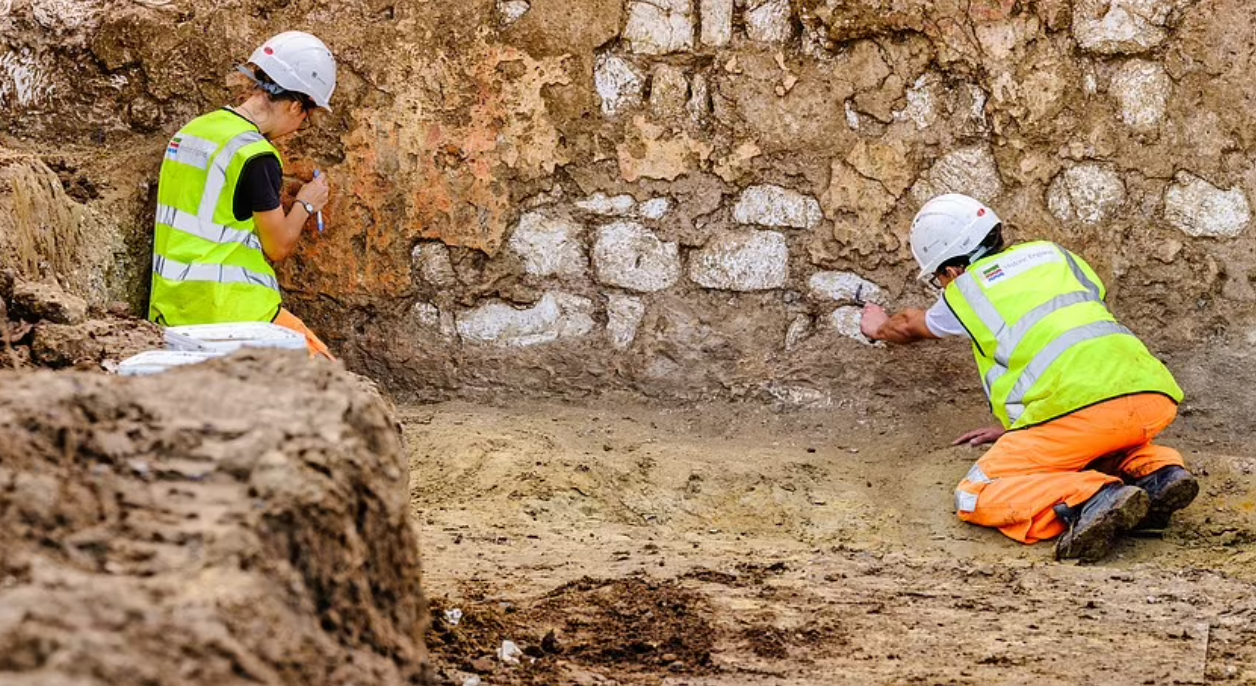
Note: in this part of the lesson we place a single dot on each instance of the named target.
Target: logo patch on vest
(1018, 262)
(190, 150)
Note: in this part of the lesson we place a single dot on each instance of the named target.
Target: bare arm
(280, 232)
(907, 326)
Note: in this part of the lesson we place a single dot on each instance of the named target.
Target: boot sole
(1176, 497)
(1095, 541)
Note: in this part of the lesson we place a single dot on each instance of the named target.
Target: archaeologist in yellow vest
(220, 222)
(1078, 396)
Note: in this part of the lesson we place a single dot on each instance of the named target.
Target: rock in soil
(243, 520)
(93, 342)
(35, 302)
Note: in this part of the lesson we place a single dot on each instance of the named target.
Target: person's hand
(315, 192)
(978, 437)
(874, 317)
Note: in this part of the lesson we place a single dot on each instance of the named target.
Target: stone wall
(682, 196)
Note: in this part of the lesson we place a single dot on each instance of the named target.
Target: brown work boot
(1095, 524)
(1170, 489)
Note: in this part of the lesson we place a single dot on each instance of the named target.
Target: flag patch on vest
(1018, 262)
(190, 150)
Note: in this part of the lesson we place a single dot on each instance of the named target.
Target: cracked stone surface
(843, 286)
(659, 27)
(1142, 91)
(717, 22)
(1198, 208)
(628, 255)
(555, 317)
(746, 260)
(549, 245)
(1086, 193)
(669, 91)
(618, 83)
(970, 170)
(769, 205)
(623, 318)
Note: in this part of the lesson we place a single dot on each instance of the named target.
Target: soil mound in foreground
(243, 520)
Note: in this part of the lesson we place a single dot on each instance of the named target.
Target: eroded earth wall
(682, 196)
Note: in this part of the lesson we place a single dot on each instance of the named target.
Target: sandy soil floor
(620, 542)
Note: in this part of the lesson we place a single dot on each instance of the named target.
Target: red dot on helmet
(981, 212)
(268, 50)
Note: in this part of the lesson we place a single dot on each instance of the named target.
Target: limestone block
(1198, 208)
(769, 21)
(768, 205)
(798, 331)
(549, 245)
(717, 22)
(656, 208)
(745, 260)
(511, 11)
(1112, 27)
(608, 205)
(556, 316)
(920, 108)
(659, 27)
(623, 317)
(971, 170)
(669, 91)
(885, 162)
(845, 321)
(1142, 90)
(431, 259)
(843, 286)
(618, 84)
(628, 255)
(1086, 193)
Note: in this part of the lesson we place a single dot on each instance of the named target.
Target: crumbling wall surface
(683, 196)
(239, 522)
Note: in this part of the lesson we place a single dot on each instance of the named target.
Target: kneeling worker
(219, 218)
(1079, 397)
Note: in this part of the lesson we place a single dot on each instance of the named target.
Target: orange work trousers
(1015, 485)
(290, 321)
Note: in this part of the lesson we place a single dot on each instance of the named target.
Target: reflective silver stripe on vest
(1042, 362)
(976, 476)
(214, 273)
(214, 233)
(1079, 274)
(216, 180)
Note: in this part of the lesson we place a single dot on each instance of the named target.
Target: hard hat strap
(272, 88)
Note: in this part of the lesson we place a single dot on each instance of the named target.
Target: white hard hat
(299, 62)
(949, 226)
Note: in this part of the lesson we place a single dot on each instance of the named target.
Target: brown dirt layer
(239, 522)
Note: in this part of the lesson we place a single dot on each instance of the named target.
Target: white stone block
(511, 11)
(769, 21)
(431, 258)
(549, 245)
(656, 208)
(620, 86)
(1112, 27)
(659, 27)
(1086, 193)
(608, 205)
(971, 171)
(768, 205)
(741, 261)
(623, 318)
(628, 255)
(555, 317)
(846, 320)
(717, 22)
(843, 286)
(1198, 208)
(1142, 90)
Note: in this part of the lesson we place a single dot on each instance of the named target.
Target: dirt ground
(616, 541)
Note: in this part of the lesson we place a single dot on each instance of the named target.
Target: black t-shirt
(259, 185)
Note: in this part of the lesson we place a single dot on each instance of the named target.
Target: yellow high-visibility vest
(1046, 344)
(207, 266)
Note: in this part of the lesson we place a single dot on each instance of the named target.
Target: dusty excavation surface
(622, 542)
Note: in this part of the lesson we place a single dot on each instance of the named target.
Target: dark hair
(276, 93)
(991, 244)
